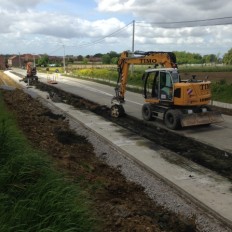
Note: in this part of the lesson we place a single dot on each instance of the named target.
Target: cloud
(12, 5)
(168, 10)
(53, 24)
(41, 25)
(158, 22)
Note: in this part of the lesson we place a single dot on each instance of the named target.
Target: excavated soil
(120, 204)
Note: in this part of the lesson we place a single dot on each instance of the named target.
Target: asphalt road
(218, 135)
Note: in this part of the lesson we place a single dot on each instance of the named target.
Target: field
(212, 76)
(109, 72)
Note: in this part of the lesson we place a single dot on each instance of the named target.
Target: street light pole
(19, 61)
(64, 60)
(133, 37)
(133, 46)
(34, 59)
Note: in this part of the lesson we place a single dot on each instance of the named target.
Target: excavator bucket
(203, 118)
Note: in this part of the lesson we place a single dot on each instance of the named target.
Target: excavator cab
(158, 84)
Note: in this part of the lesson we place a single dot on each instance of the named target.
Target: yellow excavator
(31, 73)
(180, 103)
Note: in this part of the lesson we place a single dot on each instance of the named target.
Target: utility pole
(64, 60)
(19, 61)
(133, 37)
(133, 46)
(34, 59)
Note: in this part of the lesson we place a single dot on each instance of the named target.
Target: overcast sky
(87, 27)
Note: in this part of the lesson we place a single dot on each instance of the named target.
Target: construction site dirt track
(122, 205)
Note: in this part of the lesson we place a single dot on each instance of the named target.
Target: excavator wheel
(172, 119)
(117, 111)
(147, 112)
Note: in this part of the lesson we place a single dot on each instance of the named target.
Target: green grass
(221, 91)
(33, 195)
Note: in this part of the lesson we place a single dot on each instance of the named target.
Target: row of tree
(112, 58)
(181, 56)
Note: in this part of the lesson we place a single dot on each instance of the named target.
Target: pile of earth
(122, 205)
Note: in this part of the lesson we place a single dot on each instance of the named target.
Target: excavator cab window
(159, 84)
(148, 79)
(151, 80)
(156, 85)
(175, 76)
(166, 85)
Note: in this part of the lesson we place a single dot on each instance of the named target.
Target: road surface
(217, 135)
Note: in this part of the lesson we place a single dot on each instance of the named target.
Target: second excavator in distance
(180, 103)
(31, 73)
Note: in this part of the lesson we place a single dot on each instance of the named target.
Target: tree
(106, 59)
(211, 58)
(98, 55)
(85, 60)
(80, 58)
(227, 58)
(43, 60)
(114, 60)
(188, 58)
(113, 54)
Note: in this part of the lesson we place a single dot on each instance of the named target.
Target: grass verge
(33, 195)
(221, 91)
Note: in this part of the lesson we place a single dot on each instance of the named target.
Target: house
(95, 59)
(28, 57)
(15, 61)
(2, 63)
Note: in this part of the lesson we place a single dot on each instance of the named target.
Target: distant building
(95, 59)
(15, 61)
(55, 59)
(28, 58)
(2, 63)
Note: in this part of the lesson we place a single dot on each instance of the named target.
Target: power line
(164, 24)
(191, 22)
(103, 38)
(187, 21)
(170, 24)
(100, 40)
(53, 51)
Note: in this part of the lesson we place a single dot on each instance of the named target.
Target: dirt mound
(122, 205)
